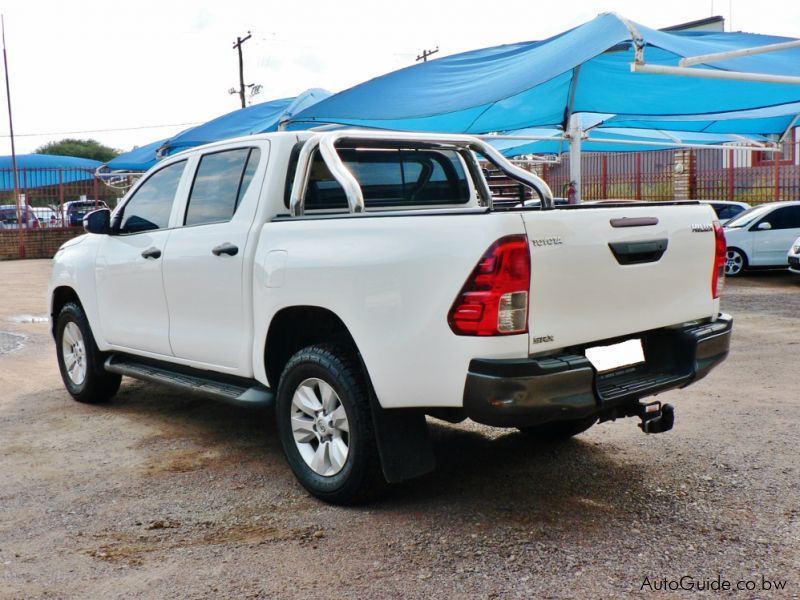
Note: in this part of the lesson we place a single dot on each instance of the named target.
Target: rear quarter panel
(392, 281)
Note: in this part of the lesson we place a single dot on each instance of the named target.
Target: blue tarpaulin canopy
(770, 120)
(138, 159)
(259, 118)
(42, 170)
(584, 70)
(600, 140)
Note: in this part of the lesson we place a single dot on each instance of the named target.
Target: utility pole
(20, 211)
(238, 46)
(425, 54)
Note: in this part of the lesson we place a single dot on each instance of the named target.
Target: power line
(102, 130)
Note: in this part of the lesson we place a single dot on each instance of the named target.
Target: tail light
(720, 251)
(494, 299)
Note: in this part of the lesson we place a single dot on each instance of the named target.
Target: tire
(79, 360)
(735, 262)
(558, 430)
(325, 425)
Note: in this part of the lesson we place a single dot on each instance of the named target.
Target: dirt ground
(164, 495)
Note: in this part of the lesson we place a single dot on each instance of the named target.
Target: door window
(221, 181)
(151, 204)
(787, 217)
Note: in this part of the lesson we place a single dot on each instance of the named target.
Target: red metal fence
(727, 175)
(617, 175)
(704, 174)
(45, 195)
(49, 199)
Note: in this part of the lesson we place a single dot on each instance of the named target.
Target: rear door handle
(151, 252)
(226, 248)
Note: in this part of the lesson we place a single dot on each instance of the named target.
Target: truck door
(772, 245)
(130, 292)
(208, 262)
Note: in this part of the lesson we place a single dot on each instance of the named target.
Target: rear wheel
(79, 360)
(735, 262)
(325, 425)
(558, 430)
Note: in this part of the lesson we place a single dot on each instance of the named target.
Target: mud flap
(403, 441)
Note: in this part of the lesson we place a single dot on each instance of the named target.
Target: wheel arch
(402, 434)
(296, 327)
(61, 296)
(739, 249)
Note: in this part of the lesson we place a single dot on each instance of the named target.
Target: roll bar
(325, 142)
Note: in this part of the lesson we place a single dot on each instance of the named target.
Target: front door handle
(226, 248)
(151, 252)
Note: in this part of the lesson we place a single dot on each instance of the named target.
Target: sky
(127, 74)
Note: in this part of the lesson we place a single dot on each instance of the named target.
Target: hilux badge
(701, 227)
(551, 241)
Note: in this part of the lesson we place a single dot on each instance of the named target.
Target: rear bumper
(531, 391)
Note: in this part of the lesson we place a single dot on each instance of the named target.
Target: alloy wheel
(320, 427)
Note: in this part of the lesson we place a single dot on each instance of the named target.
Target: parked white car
(794, 257)
(761, 236)
(359, 281)
(726, 209)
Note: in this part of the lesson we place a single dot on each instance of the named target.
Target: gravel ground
(164, 495)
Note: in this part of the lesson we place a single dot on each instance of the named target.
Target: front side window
(787, 217)
(221, 181)
(151, 204)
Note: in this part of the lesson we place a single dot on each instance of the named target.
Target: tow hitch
(656, 418)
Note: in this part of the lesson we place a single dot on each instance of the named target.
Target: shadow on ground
(478, 468)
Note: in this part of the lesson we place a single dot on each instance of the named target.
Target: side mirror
(764, 226)
(98, 221)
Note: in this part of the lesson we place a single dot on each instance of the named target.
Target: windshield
(749, 216)
(9, 215)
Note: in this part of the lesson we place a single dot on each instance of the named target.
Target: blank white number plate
(606, 358)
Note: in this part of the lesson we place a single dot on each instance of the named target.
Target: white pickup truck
(359, 281)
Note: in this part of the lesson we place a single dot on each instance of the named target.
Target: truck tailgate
(608, 271)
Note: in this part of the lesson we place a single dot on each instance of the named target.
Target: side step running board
(241, 392)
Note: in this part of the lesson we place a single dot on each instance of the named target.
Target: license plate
(607, 358)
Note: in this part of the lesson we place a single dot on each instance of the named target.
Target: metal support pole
(731, 176)
(21, 249)
(638, 175)
(777, 177)
(604, 178)
(575, 133)
(60, 219)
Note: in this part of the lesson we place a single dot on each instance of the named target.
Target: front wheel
(558, 430)
(325, 425)
(79, 360)
(735, 262)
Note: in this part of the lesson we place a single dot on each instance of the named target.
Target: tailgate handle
(635, 253)
(634, 221)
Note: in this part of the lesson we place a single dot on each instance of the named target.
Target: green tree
(80, 148)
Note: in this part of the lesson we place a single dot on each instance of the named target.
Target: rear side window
(221, 180)
(151, 204)
(391, 178)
